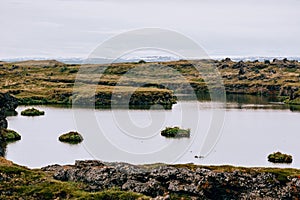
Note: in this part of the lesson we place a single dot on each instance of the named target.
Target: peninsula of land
(52, 82)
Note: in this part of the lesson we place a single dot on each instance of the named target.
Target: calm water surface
(247, 137)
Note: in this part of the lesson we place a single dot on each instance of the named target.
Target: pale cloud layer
(65, 28)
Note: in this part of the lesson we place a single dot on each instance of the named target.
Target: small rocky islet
(175, 132)
(32, 112)
(279, 157)
(71, 137)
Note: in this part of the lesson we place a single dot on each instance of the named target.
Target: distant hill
(80, 60)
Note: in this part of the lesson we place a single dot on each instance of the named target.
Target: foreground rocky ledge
(162, 181)
(101, 180)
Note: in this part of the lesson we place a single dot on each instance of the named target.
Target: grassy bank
(52, 82)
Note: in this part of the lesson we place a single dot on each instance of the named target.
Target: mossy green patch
(32, 112)
(10, 135)
(295, 101)
(175, 132)
(279, 157)
(71, 137)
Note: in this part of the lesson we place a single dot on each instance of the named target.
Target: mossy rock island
(279, 157)
(10, 135)
(175, 132)
(72, 137)
(32, 112)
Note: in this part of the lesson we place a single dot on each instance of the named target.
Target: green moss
(114, 194)
(63, 69)
(295, 101)
(175, 132)
(176, 196)
(280, 158)
(71, 137)
(10, 135)
(32, 112)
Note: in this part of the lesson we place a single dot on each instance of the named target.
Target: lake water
(247, 134)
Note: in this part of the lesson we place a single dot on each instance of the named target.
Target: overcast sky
(73, 28)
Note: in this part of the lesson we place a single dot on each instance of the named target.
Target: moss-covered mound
(175, 132)
(71, 137)
(10, 135)
(280, 158)
(32, 112)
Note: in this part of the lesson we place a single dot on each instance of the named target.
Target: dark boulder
(242, 71)
(2, 145)
(8, 102)
(239, 65)
(227, 60)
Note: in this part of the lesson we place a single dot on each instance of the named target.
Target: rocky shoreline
(8, 104)
(93, 179)
(183, 181)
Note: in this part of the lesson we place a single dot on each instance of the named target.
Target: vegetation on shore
(32, 112)
(175, 132)
(51, 82)
(71, 137)
(279, 157)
